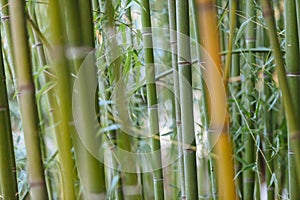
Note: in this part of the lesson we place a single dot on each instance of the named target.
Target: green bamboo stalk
(5, 17)
(268, 114)
(63, 112)
(73, 28)
(248, 99)
(234, 88)
(173, 41)
(298, 18)
(27, 101)
(291, 118)
(42, 125)
(292, 68)
(96, 180)
(186, 98)
(152, 96)
(221, 11)
(78, 40)
(232, 7)
(8, 179)
(40, 58)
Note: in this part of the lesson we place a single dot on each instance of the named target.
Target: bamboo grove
(150, 99)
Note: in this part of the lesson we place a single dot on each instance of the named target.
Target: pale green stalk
(61, 107)
(27, 102)
(173, 41)
(186, 98)
(152, 96)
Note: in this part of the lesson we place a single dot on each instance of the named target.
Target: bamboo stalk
(27, 101)
(292, 67)
(173, 41)
(234, 88)
(248, 99)
(186, 98)
(203, 161)
(96, 177)
(8, 179)
(152, 96)
(78, 40)
(219, 121)
(233, 7)
(6, 21)
(39, 55)
(291, 118)
(63, 112)
(298, 18)
(268, 115)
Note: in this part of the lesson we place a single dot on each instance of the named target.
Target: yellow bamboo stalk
(217, 102)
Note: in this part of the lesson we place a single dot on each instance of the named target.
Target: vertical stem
(152, 96)
(6, 21)
(79, 45)
(298, 18)
(248, 99)
(173, 41)
(62, 112)
(27, 101)
(186, 98)
(234, 88)
(203, 161)
(268, 114)
(293, 79)
(41, 57)
(8, 179)
(96, 176)
(217, 102)
(291, 118)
